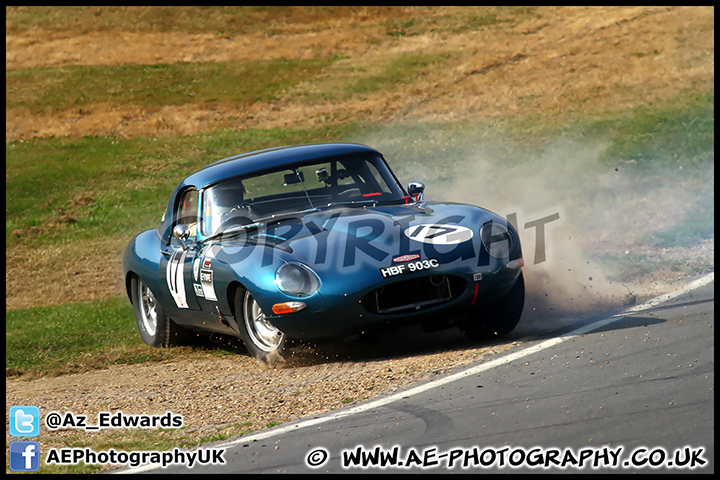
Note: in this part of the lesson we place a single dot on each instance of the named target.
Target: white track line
(379, 402)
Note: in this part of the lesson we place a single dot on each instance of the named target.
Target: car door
(176, 263)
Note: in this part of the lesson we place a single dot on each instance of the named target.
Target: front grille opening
(414, 295)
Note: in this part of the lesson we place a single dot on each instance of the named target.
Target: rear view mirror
(294, 178)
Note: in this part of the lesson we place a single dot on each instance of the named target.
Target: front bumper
(343, 314)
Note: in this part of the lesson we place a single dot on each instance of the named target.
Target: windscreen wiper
(359, 203)
(261, 223)
(236, 230)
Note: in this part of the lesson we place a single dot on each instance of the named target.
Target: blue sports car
(316, 242)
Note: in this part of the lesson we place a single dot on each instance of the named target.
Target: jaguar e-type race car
(317, 242)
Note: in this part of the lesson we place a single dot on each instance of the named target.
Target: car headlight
(297, 280)
(497, 239)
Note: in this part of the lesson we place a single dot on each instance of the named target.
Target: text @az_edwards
(57, 421)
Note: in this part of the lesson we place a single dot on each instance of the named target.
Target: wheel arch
(128, 284)
(232, 291)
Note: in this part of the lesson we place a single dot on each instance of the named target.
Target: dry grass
(548, 62)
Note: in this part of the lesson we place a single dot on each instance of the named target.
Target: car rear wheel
(499, 318)
(261, 338)
(155, 327)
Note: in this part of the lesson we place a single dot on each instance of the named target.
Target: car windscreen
(296, 188)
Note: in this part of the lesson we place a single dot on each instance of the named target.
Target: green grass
(700, 226)
(72, 338)
(230, 83)
(79, 337)
(130, 181)
(90, 179)
(113, 186)
(681, 133)
(626, 267)
(386, 74)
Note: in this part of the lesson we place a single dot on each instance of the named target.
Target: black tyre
(499, 318)
(263, 340)
(156, 328)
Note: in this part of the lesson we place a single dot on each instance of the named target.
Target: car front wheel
(155, 327)
(261, 338)
(498, 318)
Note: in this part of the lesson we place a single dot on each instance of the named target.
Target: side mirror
(182, 233)
(416, 189)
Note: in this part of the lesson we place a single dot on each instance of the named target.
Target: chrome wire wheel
(148, 310)
(262, 334)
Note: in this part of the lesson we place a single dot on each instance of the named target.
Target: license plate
(410, 267)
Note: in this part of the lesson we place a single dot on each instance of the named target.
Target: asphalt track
(632, 392)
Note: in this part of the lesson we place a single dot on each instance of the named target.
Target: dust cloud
(572, 209)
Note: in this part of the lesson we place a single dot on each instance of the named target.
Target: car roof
(268, 159)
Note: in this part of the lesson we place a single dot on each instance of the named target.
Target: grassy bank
(605, 114)
(114, 188)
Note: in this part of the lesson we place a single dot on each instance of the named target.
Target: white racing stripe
(175, 277)
(504, 360)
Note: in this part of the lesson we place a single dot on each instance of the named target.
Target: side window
(187, 210)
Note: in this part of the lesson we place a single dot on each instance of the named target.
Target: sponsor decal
(206, 281)
(406, 258)
(411, 267)
(198, 290)
(439, 234)
(196, 269)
